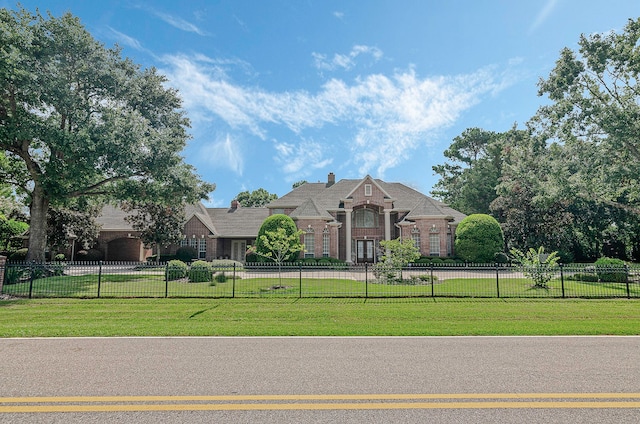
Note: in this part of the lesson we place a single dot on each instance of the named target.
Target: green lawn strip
(154, 285)
(317, 317)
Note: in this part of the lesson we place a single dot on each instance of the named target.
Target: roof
(237, 222)
(307, 197)
(111, 218)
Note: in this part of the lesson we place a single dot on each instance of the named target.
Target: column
(348, 236)
(387, 224)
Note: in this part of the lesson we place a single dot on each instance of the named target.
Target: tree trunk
(38, 225)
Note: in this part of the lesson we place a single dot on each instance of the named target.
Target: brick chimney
(235, 204)
(331, 179)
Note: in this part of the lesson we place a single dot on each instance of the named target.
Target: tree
(77, 120)
(468, 180)
(398, 254)
(478, 238)
(595, 117)
(76, 222)
(278, 240)
(256, 198)
(537, 265)
(159, 225)
(298, 183)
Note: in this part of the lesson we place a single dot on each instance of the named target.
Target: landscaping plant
(537, 265)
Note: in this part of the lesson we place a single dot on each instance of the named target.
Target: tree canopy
(78, 120)
(256, 198)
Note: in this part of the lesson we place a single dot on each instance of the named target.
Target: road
(321, 380)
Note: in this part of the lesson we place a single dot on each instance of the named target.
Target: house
(346, 219)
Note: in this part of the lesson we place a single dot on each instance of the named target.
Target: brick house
(345, 219)
(348, 219)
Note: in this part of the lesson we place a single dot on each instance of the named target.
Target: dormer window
(367, 190)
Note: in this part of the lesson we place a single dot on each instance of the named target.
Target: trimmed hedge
(200, 272)
(478, 238)
(176, 270)
(611, 270)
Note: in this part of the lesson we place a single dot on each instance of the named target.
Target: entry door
(238, 250)
(365, 250)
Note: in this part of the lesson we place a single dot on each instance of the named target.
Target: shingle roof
(111, 218)
(237, 222)
(325, 199)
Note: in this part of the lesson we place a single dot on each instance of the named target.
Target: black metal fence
(125, 280)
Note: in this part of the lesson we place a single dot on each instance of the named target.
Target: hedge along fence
(265, 280)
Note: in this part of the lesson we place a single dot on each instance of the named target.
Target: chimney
(235, 204)
(331, 179)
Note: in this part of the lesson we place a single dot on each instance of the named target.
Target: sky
(282, 91)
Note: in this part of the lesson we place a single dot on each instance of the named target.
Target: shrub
(200, 272)
(221, 278)
(175, 270)
(91, 255)
(588, 278)
(15, 274)
(186, 253)
(19, 255)
(59, 257)
(478, 238)
(611, 270)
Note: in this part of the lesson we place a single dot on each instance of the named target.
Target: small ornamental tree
(478, 238)
(278, 240)
(537, 265)
(398, 254)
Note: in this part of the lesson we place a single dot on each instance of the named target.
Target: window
(415, 236)
(325, 243)
(434, 244)
(309, 244)
(365, 218)
(277, 210)
(367, 190)
(202, 248)
(193, 243)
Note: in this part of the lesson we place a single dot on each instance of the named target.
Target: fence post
(3, 267)
(366, 280)
(626, 277)
(99, 276)
(31, 264)
(166, 279)
(233, 282)
(562, 278)
(432, 282)
(498, 279)
(300, 282)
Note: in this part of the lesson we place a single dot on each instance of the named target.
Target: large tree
(469, 178)
(256, 198)
(595, 117)
(76, 119)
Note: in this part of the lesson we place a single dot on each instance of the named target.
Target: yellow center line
(328, 397)
(314, 406)
(44, 404)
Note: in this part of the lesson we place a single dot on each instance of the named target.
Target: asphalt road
(321, 380)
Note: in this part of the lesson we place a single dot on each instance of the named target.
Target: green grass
(153, 285)
(317, 317)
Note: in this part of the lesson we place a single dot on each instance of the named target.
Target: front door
(365, 251)
(238, 250)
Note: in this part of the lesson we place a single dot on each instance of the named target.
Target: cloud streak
(388, 117)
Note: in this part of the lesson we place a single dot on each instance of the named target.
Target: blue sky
(280, 91)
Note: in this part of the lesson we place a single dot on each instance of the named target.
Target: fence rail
(125, 280)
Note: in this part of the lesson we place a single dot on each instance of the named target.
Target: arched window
(365, 218)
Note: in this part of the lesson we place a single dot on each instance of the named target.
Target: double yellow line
(319, 402)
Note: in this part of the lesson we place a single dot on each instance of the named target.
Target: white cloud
(543, 15)
(345, 61)
(125, 40)
(224, 152)
(301, 159)
(387, 118)
(176, 21)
